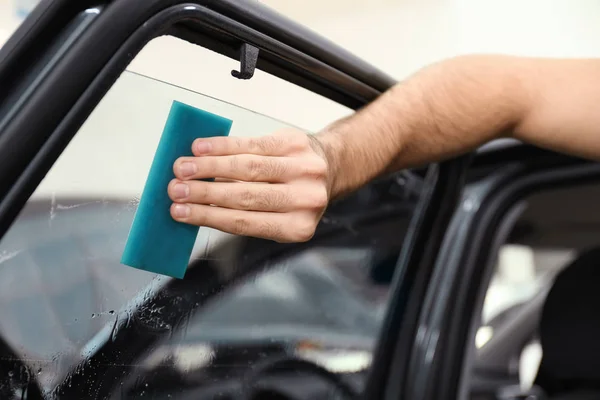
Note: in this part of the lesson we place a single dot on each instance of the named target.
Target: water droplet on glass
(10, 373)
(93, 315)
(111, 312)
(39, 371)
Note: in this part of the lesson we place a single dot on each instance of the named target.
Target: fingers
(285, 227)
(244, 167)
(249, 196)
(281, 143)
(273, 187)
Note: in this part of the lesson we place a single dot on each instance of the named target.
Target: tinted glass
(250, 316)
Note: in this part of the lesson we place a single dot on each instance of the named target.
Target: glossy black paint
(388, 378)
(27, 117)
(34, 35)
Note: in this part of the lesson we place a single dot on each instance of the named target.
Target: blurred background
(397, 36)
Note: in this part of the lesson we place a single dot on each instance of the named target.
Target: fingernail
(203, 147)
(181, 190)
(187, 168)
(181, 211)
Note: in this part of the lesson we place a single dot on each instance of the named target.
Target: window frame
(34, 133)
(95, 52)
(464, 266)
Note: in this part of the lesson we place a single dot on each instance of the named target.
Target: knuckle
(275, 168)
(252, 144)
(278, 199)
(304, 229)
(296, 142)
(301, 140)
(271, 199)
(196, 217)
(240, 226)
(217, 144)
(316, 168)
(319, 198)
(254, 169)
(234, 163)
(204, 192)
(291, 140)
(265, 144)
(269, 144)
(270, 230)
(204, 164)
(246, 200)
(263, 168)
(239, 143)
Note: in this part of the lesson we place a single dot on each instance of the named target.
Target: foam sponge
(156, 242)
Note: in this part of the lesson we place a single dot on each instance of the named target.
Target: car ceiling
(563, 218)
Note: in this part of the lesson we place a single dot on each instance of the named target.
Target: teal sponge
(156, 242)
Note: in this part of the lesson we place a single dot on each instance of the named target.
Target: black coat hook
(248, 59)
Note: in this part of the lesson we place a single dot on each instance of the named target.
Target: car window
(542, 242)
(64, 295)
(176, 61)
(521, 272)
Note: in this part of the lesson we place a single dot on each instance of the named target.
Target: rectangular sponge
(156, 242)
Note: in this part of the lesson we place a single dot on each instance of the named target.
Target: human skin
(278, 186)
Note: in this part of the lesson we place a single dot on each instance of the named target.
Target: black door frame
(99, 41)
(442, 355)
(76, 62)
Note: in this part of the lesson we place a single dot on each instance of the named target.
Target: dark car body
(382, 303)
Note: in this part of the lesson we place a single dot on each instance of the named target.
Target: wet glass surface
(250, 318)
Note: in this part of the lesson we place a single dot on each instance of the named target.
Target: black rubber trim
(43, 94)
(34, 35)
(275, 57)
(463, 261)
(472, 273)
(441, 194)
(125, 16)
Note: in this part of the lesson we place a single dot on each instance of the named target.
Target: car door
(445, 362)
(252, 317)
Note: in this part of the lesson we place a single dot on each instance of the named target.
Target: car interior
(543, 345)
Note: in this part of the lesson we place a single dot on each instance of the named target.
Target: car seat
(570, 332)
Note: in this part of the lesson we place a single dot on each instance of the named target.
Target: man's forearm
(443, 110)
(283, 182)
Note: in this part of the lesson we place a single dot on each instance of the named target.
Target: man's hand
(273, 187)
(446, 109)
